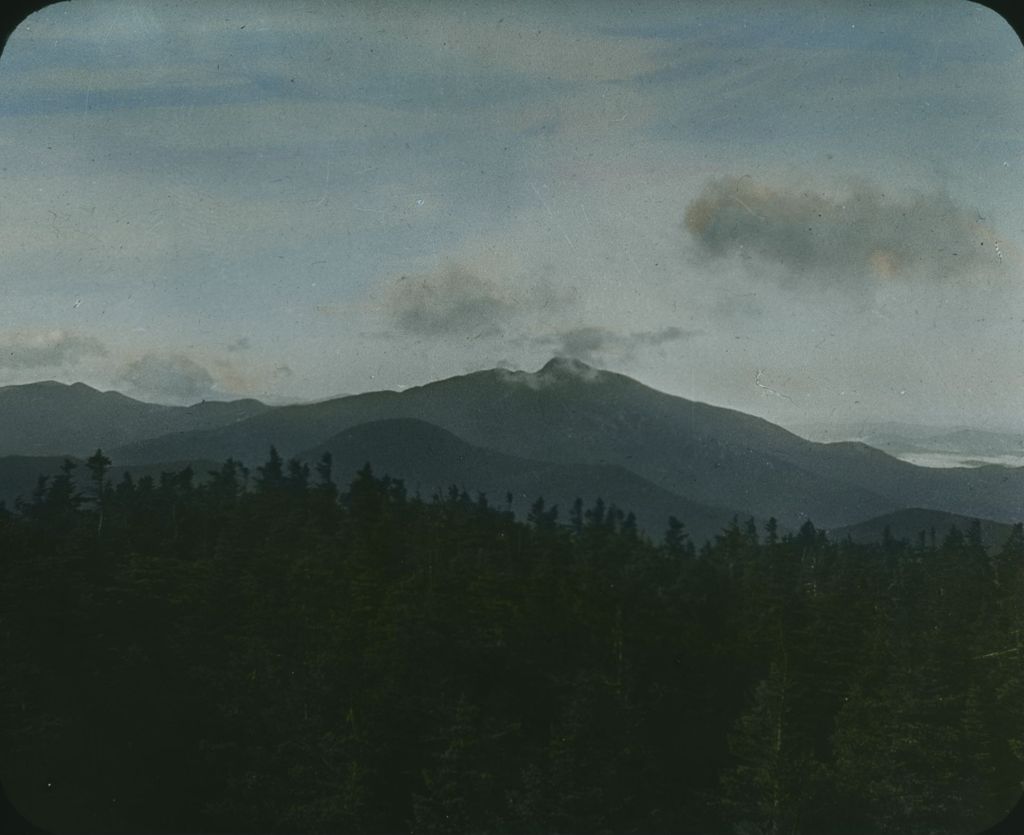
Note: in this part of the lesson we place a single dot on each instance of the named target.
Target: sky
(809, 212)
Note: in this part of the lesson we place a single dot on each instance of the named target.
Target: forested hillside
(263, 651)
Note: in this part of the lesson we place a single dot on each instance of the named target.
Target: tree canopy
(279, 654)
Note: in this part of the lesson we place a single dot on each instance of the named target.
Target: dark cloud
(588, 342)
(660, 337)
(455, 301)
(240, 344)
(47, 348)
(171, 376)
(857, 239)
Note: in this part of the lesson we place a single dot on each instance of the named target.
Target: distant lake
(954, 459)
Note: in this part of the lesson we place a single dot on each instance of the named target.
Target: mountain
(570, 413)
(430, 460)
(977, 442)
(993, 492)
(911, 524)
(880, 434)
(918, 442)
(567, 413)
(51, 418)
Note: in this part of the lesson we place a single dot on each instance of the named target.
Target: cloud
(240, 344)
(660, 337)
(453, 301)
(855, 240)
(41, 349)
(553, 372)
(588, 342)
(171, 376)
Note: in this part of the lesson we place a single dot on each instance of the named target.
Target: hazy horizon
(808, 214)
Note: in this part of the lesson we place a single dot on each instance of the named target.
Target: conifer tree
(98, 465)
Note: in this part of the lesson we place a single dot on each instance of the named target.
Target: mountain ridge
(571, 414)
(52, 418)
(428, 457)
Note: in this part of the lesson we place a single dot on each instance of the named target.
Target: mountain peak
(556, 371)
(568, 367)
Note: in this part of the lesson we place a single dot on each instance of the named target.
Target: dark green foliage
(213, 655)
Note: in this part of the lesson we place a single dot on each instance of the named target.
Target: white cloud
(591, 342)
(47, 349)
(173, 377)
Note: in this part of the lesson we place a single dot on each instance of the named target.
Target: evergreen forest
(276, 650)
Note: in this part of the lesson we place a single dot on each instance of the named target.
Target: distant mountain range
(917, 524)
(430, 460)
(918, 442)
(51, 418)
(567, 430)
